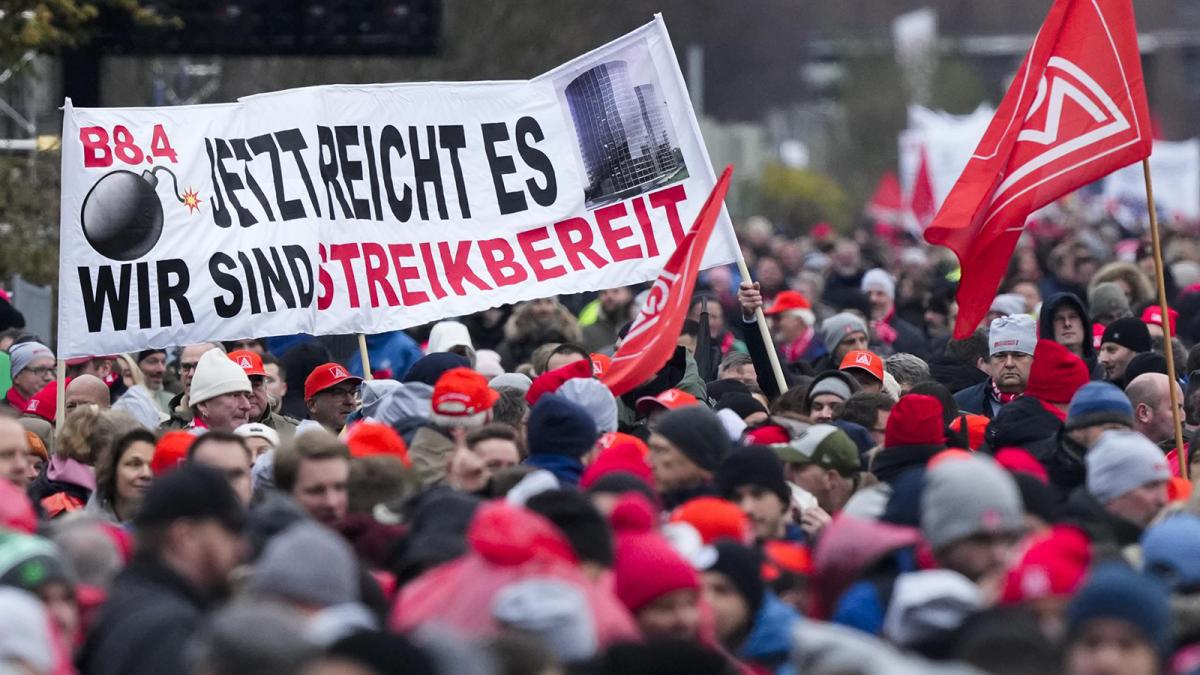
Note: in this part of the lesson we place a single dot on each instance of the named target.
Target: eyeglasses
(42, 371)
(342, 392)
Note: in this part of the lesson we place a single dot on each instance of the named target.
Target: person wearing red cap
(330, 394)
(913, 435)
(1152, 317)
(865, 367)
(461, 401)
(260, 400)
(1055, 377)
(793, 322)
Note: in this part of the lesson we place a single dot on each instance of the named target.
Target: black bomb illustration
(122, 214)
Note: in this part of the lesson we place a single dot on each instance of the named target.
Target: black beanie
(192, 491)
(1130, 332)
(384, 653)
(744, 405)
(1146, 362)
(697, 433)
(752, 465)
(147, 352)
(583, 525)
(743, 567)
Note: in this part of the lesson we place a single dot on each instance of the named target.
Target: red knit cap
(622, 456)
(372, 438)
(714, 519)
(646, 567)
(549, 381)
(915, 420)
(1018, 460)
(44, 403)
(1056, 373)
(508, 535)
(767, 434)
(170, 451)
(1053, 566)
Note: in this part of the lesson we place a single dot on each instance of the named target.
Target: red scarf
(1001, 396)
(794, 350)
(15, 399)
(883, 330)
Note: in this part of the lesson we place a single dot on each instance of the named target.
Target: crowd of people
(898, 502)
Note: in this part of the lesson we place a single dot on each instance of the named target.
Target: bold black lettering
(106, 294)
(240, 151)
(291, 140)
(220, 215)
(454, 138)
(391, 140)
(372, 172)
(510, 202)
(329, 172)
(143, 293)
(232, 184)
(527, 127)
(274, 279)
(427, 170)
(173, 293)
(304, 282)
(251, 283)
(289, 209)
(352, 170)
(226, 309)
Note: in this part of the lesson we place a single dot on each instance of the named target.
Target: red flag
(887, 202)
(1076, 111)
(922, 203)
(651, 339)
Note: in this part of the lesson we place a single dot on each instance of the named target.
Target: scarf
(18, 402)
(883, 330)
(1001, 396)
(794, 350)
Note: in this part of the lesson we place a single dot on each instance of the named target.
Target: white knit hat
(880, 279)
(216, 374)
(258, 430)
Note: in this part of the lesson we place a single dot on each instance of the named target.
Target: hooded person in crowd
(1123, 339)
(1065, 320)
(1011, 344)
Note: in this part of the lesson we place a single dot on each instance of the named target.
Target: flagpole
(366, 359)
(768, 339)
(1168, 350)
(60, 396)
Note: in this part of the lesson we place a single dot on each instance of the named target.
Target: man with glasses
(180, 407)
(32, 367)
(331, 394)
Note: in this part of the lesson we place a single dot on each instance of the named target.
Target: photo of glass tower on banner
(624, 134)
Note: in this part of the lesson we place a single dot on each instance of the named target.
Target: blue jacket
(977, 399)
(394, 351)
(769, 643)
(567, 470)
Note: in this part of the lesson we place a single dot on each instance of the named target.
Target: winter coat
(909, 338)
(955, 375)
(1024, 423)
(523, 333)
(181, 414)
(978, 400)
(430, 452)
(151, 614)
(769, 643)
(566, 469)
(680, 373)
(392, 352)
(1108, 533)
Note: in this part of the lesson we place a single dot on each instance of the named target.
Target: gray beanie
(1123, 460)
(698, 433)
(595, 398)
(511, 380)
(837, 327)
(23, 354)
(310, 564)
(1008, 304)
(1016, 333)
(834, 382)
(965, 497)
(1108, 298)
(554, 611)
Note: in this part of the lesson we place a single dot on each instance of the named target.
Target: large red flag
(651, 339)
(1076, 111)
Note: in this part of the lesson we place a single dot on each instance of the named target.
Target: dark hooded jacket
(1046, 328)
(1109, 534)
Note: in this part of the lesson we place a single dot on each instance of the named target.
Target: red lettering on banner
(95, 147)
(579, 247)
(643, 218)
(538, 257)
(405, 273)
(345, 254)
(435, 284)
(457, 269)
(613, 235)
(667, 200)
(377, 269)
(504, 269)
(325, 297)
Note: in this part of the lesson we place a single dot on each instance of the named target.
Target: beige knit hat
(216, 374)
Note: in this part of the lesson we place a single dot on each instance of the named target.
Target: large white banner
(1175, 169)
(344, 209)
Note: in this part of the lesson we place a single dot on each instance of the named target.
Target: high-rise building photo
(624, 134)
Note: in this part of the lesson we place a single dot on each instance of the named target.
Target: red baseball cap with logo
(462, 398)
(249, 362)
(325, 376)
(863, 360)
(671, 399)
(1153, 314)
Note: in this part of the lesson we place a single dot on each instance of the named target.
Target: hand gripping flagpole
(1181, 453)
(768, 339)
